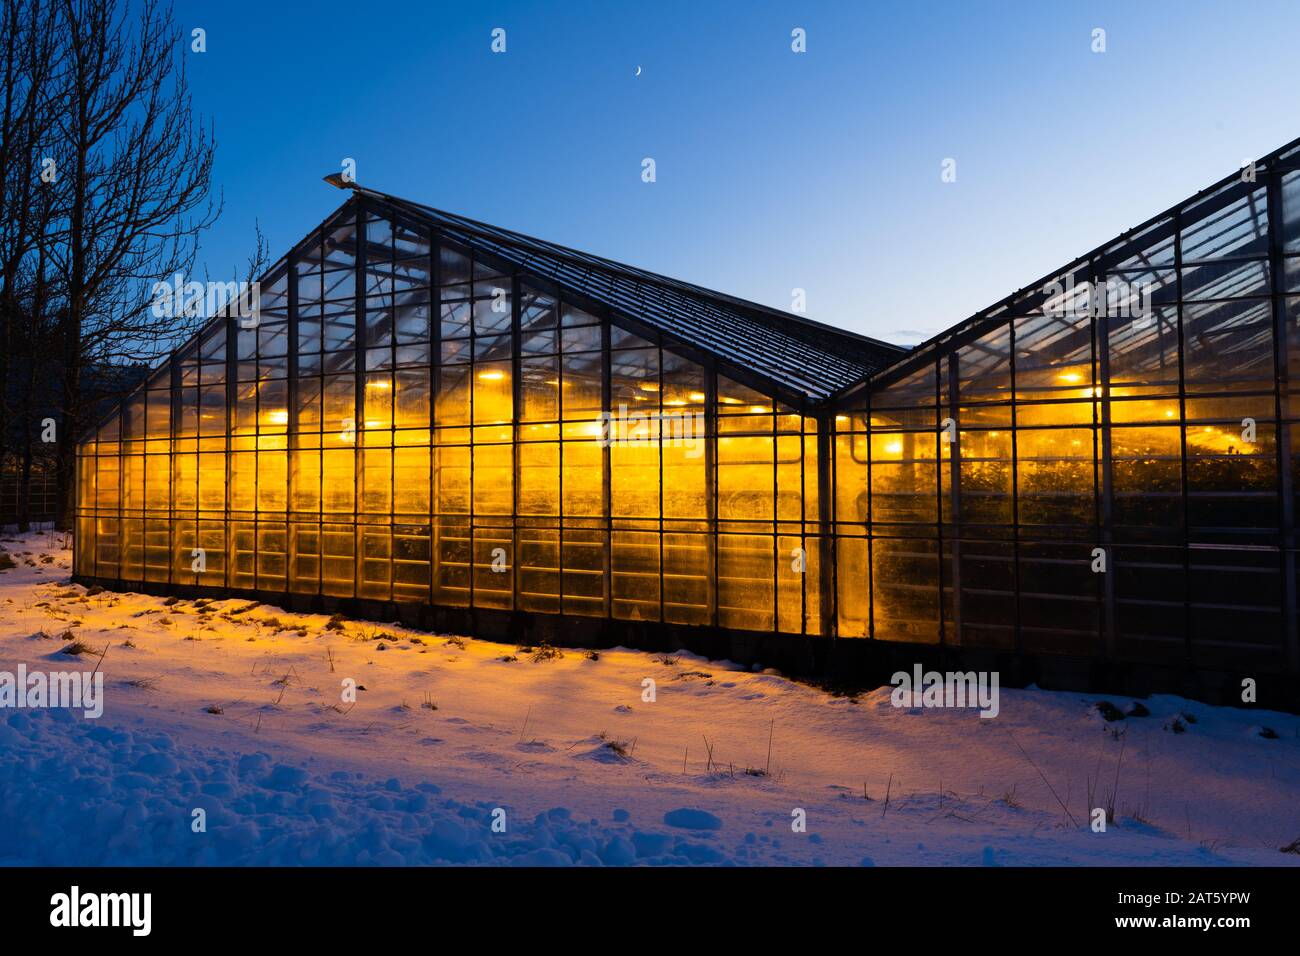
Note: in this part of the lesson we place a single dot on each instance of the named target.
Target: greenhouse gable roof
(792, 351)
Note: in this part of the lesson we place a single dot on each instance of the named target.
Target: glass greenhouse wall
(1101, 465)
(413, 420)
(436, 414)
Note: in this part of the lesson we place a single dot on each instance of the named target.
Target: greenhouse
(431, 419)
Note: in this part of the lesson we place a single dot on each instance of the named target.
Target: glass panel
(686, 578)
(746, 582)
(1229, 346)
(1055, 476)
(634, 582)
(539, 570)
(905, 589)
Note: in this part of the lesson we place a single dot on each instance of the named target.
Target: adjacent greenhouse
(430, 418)
(1101, 465)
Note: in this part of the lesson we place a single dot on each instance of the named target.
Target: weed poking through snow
(545, 652)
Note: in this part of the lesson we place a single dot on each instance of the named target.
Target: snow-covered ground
(237, 710)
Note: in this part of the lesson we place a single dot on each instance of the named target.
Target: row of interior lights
(281, 417)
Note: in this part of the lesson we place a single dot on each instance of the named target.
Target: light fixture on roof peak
(339, 181)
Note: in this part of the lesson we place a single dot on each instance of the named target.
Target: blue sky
(775, 170)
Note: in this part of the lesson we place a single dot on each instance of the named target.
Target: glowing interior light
(491, 375)
(381, 384)
(1071, 378)
(894, 448)
(649, 386)
(1169, 413)
(697, 396)
(841, 418)
(759, 409)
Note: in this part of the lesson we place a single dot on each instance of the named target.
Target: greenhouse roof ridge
(809, 357)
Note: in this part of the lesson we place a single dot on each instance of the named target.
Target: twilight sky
(775, 169)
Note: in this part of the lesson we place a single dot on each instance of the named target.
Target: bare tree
(31, 64)
(138, 166)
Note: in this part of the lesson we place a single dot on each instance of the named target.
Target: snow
(454, 755)
(689, 818)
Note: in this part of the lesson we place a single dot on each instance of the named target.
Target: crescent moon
(638, 70)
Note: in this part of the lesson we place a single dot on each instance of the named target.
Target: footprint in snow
(535, 746)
